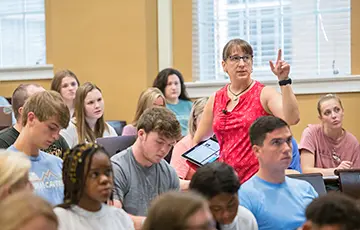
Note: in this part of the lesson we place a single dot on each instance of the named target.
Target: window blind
(22, 33)
(313, 34)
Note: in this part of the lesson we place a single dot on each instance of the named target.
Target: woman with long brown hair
(66, 83)
(88, 122)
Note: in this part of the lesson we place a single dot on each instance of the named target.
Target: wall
(307, 103)
(111, 43)
(115, 46)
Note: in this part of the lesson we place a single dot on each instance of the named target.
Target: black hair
(161, 80)
(334, 209)
(263, 125)
(215, 178)
(76, 160)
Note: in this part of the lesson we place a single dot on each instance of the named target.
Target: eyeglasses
(236, 59)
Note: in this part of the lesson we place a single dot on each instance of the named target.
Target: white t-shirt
(71, 137)
(244, 220)
(108, 218)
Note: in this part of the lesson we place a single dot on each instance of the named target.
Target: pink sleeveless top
(232, 129)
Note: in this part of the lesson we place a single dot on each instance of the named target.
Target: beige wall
(111, 43)
(307, 103)
(115, 46)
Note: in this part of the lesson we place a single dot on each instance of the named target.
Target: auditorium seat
(114, 145)
(117, 125)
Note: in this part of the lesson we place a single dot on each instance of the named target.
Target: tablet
(203, 153)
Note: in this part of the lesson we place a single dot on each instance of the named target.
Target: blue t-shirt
(182, 111)
(46, 176)
(277, 206)
(295, 162)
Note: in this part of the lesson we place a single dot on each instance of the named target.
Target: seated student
(277, 201)
(27, 211)
(219, 183)
(328, 146)
(140, 172)
(148, 98)
(177, 161)
(171, 83)
(66, 83)
(44, 115)
(88, 122)
(14, 173)
(9, 135)
(334, 211)
(179, 211)
(88, 181)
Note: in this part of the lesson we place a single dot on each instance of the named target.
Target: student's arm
(308, 162)
(184, 184)
(205, 126)
(138, 220)
(282, 105)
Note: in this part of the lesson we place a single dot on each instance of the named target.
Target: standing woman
(88, 122)
(171, 83)
(66, 83)
(232, 109)
(148, 98)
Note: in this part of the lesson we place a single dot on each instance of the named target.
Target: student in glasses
(328, 146)
(232, 109)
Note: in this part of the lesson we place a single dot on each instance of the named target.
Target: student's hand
(281, 68)
(345, 165)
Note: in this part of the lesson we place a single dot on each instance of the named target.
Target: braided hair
(76, 160)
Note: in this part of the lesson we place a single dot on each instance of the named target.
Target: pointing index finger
(279, 56)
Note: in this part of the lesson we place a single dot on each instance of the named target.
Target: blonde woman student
(177, 161)
(328, 146)
(14, 173)
(88, 122)
(27, 211)
(148, 98)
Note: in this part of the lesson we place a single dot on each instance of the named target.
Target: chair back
(5, 117)
(117, 144)
(315, 179)
(117, 125)
(349, 181)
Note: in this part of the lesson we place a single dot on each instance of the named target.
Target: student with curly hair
(88, 180)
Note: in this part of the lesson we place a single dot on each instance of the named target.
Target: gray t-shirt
(136, 186)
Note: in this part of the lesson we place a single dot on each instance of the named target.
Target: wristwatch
(285, 82)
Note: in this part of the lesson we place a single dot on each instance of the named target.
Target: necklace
(236, 96)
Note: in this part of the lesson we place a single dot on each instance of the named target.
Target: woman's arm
(205, 126)
(308, 162)
(282, 105)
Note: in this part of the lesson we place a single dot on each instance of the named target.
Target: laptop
(203, 153)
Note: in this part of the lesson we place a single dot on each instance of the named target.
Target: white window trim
(27, 73)
(344, 84)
